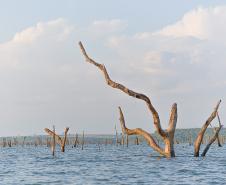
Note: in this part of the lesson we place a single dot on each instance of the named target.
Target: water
(110, 165)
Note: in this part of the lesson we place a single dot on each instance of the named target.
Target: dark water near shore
(110, 165)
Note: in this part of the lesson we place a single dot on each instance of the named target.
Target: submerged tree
(167, 135)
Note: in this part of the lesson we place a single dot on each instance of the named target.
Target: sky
(172, 51)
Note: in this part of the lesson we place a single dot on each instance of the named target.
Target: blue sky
(142, 15)
(174, 51)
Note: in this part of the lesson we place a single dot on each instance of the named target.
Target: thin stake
(82, 140)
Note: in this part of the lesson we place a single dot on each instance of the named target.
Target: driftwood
(59, 140)
(167, 135)
(201, 133)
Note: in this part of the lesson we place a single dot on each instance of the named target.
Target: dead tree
(60, 141)
(201, 133)
(167, 135)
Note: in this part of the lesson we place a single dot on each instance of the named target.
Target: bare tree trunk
(65, 139)
(201, 133)
(168, 135)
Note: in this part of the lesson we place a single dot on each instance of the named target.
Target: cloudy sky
(172, 51)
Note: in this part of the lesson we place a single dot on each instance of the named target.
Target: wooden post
(76, 140)
(127, 140)
(54, 142)
(24, 140)
(136, 141)
(116, 136)
(83, 137)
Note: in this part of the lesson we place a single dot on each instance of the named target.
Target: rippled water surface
(110, 165)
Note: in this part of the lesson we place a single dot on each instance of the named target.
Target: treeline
(181, 136)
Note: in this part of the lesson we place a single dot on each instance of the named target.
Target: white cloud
(201, 23)
(57, 29)
(44, 78)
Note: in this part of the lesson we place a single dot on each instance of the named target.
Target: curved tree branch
(138, 131)
(201, 133)
(121, 87)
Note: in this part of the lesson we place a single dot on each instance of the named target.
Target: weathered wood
(201, 133)
(168, 135)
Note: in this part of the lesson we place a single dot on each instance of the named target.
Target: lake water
(110, 165)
